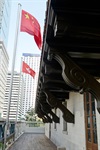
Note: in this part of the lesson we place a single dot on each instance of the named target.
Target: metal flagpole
(19, 98)
(19, 89)
(12, 73)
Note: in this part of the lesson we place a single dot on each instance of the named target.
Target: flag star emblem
(32, 20)
(26, 16)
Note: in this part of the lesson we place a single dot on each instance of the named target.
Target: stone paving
(34, 141)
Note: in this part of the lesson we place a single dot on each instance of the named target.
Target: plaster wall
(98, 128)
(74, 137)
(47, 130)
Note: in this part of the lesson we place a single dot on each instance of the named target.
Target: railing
(34, 124)
(10, 133)
(15, 130)
(34, 127)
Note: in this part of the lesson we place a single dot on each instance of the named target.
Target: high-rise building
(16, 96)
(33, 60)
(5, 7)
(3, 75)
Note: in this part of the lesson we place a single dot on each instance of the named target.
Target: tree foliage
(32, 116)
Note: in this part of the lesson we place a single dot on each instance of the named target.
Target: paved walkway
(33, 142)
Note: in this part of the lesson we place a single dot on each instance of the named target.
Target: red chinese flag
(30, 25)
(27, 69)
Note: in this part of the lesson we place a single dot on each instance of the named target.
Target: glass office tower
(30, 83)
(5, 7)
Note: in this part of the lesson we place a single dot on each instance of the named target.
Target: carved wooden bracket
(49, 119)
(54, 117)
(45, 120)
(53, 102)
(78, 79)
(47, 110)
(67, 115)
(45, 117)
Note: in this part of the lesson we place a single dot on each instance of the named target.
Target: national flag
(30, 25)
(26, 69)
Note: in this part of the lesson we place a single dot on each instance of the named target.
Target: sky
(25, 42)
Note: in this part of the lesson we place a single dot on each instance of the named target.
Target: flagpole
(20, 96)
(19, 89)
(12, 73)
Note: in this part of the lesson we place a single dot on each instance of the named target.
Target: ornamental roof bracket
(45, 120)
(43, 115)
(53, 102)
(55, 118)
(48, 118)
(78, 79)
(47, 110)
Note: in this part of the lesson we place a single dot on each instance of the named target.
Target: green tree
(31, 115)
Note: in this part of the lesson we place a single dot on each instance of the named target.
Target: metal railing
(34, 124)
(16, 129)
(10, 133)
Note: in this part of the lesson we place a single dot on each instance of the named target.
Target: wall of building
(47, 130)
(5, 8)
(98, 128)
(4, 59)
(30, 86)
(16, 97)
(98, 123)
(74, 137)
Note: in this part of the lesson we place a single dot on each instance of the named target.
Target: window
(90, 120)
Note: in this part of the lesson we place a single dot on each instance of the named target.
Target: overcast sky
(26, 43)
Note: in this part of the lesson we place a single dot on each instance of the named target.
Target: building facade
(33, 60)
(84, 133)
(16, 97)
(4, 60)
(68, 89)
(5, 7)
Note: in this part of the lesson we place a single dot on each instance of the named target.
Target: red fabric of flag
(30, 25)
(26, 69)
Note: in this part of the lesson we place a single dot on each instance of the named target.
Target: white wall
(98, 128)
(74, 138)
(47, 133)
